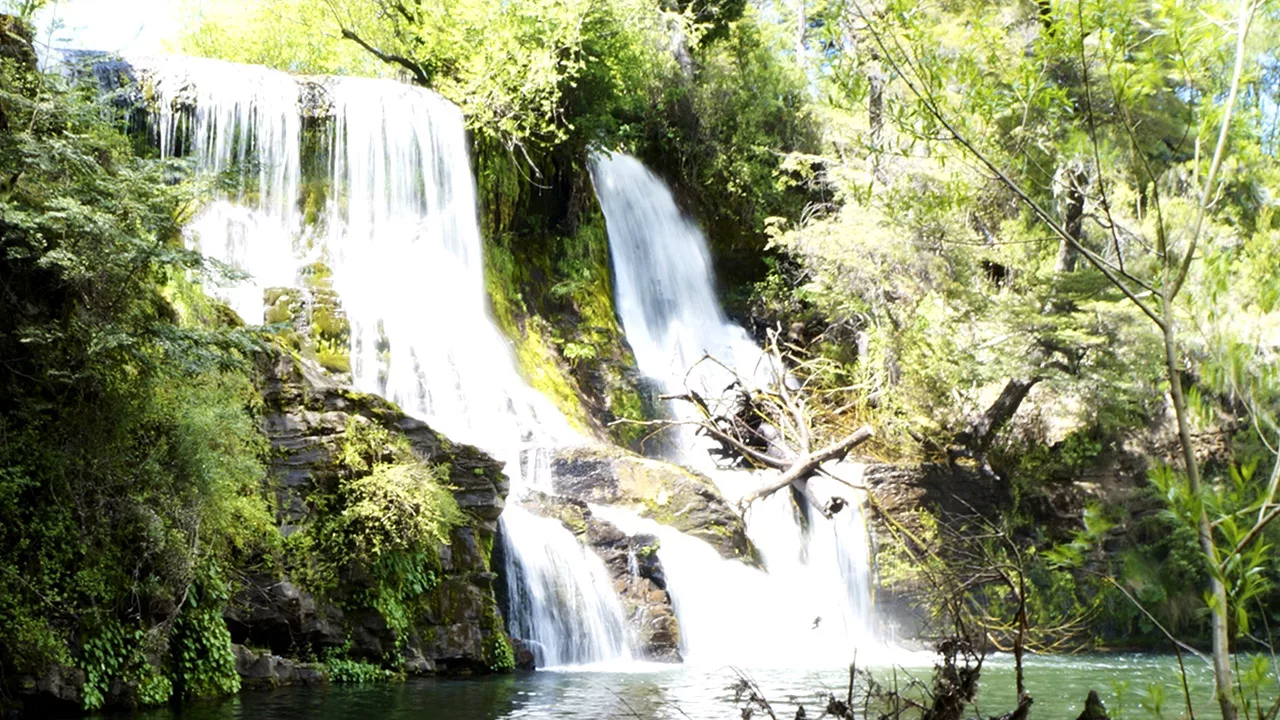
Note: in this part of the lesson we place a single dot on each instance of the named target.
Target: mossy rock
(666, 493)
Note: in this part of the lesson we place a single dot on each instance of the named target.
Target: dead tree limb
(805, 466)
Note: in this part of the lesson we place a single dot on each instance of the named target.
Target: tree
(130, 460)
(1152, 283)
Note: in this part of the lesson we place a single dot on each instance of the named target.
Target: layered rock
(634, 567)
(307, 418)
(259, 670)
(666, 493)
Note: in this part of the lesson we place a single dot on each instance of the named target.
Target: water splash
(815, 600)
(400, 235)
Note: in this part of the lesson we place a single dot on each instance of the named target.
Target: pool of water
(1132, 686)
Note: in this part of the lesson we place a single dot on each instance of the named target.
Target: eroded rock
(307, 416)
(260, 670)
(666, 493)
(634, 568)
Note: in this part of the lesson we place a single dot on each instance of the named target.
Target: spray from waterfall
(397, 229)
(815, 599)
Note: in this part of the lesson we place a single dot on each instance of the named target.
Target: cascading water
(399, 234)
(814, 603)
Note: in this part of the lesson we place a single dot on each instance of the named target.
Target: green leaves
(131, 456)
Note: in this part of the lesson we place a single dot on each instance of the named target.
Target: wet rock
(634, 568)
(258, 670)
(669, 494)
(307, 415)
(1093, 708)
(524, 655)
(61, 688)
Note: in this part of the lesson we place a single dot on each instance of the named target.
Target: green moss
(496, 653)
(538, 358)
(549, 282)
(486, 549)
(626, 403)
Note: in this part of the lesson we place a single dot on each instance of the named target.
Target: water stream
(813, 604)
(400, 235)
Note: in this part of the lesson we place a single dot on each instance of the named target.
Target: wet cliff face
(634, 568)
(450, 623)
(548, 277)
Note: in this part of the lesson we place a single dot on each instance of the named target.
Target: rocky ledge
(633, 565)
(665, 493)
(307, 418)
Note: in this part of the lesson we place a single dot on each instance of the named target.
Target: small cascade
(242, 126)
(664, 291)
(548, 572)
(818, 572)
(398, 235)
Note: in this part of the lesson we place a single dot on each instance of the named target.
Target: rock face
(307, 415)
(900, 490)
(666, 493)
(59, 691)
(264, 670)
(632, 561)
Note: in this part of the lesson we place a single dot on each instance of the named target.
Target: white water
(814, 601)
(402, 240)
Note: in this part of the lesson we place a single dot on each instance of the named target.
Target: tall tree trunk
(1218, 604)
(1070, 181)
(875, 117)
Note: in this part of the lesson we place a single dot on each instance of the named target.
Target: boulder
(60, 689)
(666, 493)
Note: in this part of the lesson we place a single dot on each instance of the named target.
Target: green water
(1131, 686)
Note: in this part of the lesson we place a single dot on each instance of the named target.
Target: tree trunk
(806, 465)
(982, 431)
(875, 118)
(1218, 603)
(1071, 207)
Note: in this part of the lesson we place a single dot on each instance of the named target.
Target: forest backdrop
(1039, 239)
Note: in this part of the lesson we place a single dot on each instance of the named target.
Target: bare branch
(418, 72)
(805, 466)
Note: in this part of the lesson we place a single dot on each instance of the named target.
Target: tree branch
(806, 465)
(419, 74)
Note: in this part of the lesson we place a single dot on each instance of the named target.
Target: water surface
(1131, 685)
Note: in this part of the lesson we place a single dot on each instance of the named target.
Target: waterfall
(392, 215)
(814, 602)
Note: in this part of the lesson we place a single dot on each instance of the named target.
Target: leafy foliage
(129, 452)
(373, 539)
(204, 665)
